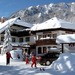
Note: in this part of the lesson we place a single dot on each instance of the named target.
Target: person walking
(27, 60)
(8, 56)
(30, 56)
(33, 61)
(24, 56)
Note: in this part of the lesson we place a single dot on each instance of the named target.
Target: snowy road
(64, 65)
(20, 68)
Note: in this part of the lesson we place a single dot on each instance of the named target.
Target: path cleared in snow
(64, 65)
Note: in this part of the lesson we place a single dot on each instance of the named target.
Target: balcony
(46, 42)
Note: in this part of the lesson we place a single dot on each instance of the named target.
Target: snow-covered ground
(64, 65)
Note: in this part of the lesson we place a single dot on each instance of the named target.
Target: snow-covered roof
(22, 23)
(12, 21)
(68, 38)
(4, 25)
(52, 24)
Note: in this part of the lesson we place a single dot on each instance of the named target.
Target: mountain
(41, 13)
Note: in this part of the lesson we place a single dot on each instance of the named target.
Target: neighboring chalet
(46, 33)
(21, 37)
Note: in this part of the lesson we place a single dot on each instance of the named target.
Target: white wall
(32, 39)
(40, 33)
(17, 38)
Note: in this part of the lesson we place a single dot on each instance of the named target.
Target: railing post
(62, 48)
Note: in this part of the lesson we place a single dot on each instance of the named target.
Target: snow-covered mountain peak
(50, 5)
(41, 13)
(73, 2)
(30, 7)
(37, 6)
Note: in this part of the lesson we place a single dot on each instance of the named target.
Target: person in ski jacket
(27, 60)
(24, 56)
(33, 61)
(8, 56)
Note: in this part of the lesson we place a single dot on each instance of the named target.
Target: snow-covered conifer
(7, 45)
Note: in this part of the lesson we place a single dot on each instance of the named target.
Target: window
(54, 35)
(27, 39)
(44, 50)
(39, 50)
(13, 40)
(44, 36)
(2, 38)
(20, 39)
(39, 36)
(49, 48)
(49, 35)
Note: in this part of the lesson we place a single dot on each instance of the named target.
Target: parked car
(48, 58)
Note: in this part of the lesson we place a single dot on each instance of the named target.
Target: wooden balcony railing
(46, 42)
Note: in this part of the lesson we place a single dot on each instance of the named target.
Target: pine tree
(7, 45)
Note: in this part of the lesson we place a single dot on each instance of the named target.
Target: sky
(7, 7)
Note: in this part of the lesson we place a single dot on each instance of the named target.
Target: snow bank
(13, 54)
(65, 63)
(2, 59)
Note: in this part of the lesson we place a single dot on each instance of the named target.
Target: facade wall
(25, 47)
(31, 41)
(16, 38)
(42, 39)
(46, 39)
(32, 38)
(46, 48)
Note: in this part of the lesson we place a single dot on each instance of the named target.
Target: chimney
(2, 19)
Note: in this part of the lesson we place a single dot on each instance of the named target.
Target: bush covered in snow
(64, 63)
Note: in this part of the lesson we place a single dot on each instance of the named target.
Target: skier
(33, 61)
(8, 56)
